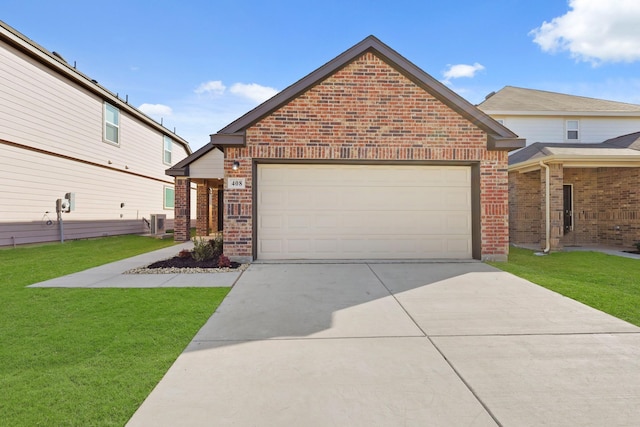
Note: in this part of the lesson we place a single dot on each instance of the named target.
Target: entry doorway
(567, 201)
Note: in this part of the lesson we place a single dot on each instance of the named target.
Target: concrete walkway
(437, 344)
(111, 275)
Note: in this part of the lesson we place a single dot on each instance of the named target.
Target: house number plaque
(235, 183)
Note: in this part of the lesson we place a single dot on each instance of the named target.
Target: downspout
(547, 208)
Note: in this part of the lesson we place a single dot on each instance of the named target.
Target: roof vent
(57, 55)
(490, 95)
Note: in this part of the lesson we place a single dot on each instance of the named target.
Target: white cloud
(253, 91)
(213, 87)
(594, 31)
(156, 110)
(195, 116)
(462, 70)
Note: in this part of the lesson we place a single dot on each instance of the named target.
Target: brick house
(367, 157)
(592, 195)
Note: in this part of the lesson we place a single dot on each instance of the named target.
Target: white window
(168, 145)
(572, 130)
(111, 124)
(169, 197)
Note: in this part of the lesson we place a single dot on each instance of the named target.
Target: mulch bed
(189, 262)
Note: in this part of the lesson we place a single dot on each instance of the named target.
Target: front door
(567, 197)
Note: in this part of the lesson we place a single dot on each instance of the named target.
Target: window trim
(166, 138)
(576, 130)
(164, 197)
(105, 123)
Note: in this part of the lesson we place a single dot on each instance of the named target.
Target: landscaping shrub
(217, 246)
(224, 261)
(202, 249)
(185, 253)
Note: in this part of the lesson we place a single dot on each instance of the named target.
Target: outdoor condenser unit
(158, 222)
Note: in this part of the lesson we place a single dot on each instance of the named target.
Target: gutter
(547, 208)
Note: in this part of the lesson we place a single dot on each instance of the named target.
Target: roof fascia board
(238, 139)
(407, 68)
(577, 161)
(177, 171)
(504, 144)
(30, 48)
(564, 113)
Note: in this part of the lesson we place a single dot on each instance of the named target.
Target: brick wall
(182, 209)
(368, 111)
(585, 202)
(556, 211)
(202, 209)
(606, 206)
(618, 206)
(525, 211)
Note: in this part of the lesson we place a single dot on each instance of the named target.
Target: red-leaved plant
(224, 261)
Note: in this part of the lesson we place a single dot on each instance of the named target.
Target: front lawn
(87, 357)
(606, 282)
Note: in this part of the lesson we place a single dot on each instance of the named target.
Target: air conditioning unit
(158, 222)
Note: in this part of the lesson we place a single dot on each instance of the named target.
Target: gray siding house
(61, 132)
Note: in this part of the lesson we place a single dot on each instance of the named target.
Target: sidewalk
(111, 275)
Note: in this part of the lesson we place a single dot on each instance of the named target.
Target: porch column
(182, 210)
(556, 180)
(202, 221)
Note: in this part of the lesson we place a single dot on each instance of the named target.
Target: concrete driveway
(428, 344)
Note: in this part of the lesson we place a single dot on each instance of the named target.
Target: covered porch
(205, 168)
(567, 195)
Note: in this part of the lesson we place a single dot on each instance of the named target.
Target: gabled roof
(499, 137)
(391, 57)
(517, 100)
(620, 151)
(182, 167)
(57, 64)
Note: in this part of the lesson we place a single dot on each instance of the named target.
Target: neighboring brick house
(542, 116)
(593, 194)
(368, 157)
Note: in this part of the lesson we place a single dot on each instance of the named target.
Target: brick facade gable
(367, 104)
(367, 111)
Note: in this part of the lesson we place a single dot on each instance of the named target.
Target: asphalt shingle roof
(625, 145)
(515, 99)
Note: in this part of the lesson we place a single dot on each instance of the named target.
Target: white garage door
(363, 212)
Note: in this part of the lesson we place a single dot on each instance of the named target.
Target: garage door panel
(358, 212)
(271, 199)
(327, 221)
(271, 223)
(458, 223)
(457, 199)
(453, 176)
(270, 247)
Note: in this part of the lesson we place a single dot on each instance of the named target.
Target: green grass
(606, 282)
(87, 357)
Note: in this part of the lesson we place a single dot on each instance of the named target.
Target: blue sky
(201, 64)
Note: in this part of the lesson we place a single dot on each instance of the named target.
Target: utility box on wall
(158, 223)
